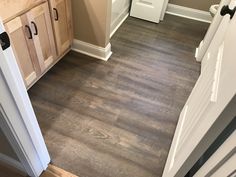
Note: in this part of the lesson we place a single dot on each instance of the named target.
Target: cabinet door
(40, 22)
(62, 20)
(19, 35)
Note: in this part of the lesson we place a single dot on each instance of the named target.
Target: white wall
(120, 10)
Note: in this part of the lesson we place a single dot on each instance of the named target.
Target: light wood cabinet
(40, 23)
(20, 43)
(40, 35)
(62, 23)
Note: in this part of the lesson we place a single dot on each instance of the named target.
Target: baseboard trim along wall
(11, 162)
(190, 13)
(118, 23)
(119, 13)
(92, 50)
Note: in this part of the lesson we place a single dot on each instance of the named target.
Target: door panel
(39, 20)
(227, 169)
(222, 162)
(213, 91)
(216, 42)
(206, 90)
(18, 34)
(147, 9)
(62, 24)
(205, 43)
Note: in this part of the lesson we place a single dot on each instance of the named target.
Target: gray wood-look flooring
(117, 118)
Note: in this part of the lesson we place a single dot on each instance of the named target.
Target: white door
(150, 10)
(201, 50)
(212, 93)
(18, 121)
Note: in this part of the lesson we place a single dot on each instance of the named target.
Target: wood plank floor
(52, 171)
(117, 118)
(8, 171)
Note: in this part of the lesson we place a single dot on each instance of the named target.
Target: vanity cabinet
(22, 49)
(40, 24)
(61, 15)
(33, 44)
(40, 34)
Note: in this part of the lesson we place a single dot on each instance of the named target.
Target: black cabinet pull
(30, 32)
(35, 27)
(226, 10)
(4, 41)
(57, 16)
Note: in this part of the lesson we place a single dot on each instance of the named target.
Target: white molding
(165, 4)
(119, 24)
(204, 45)
(119, 20)
(11, 162)
(190, 13)
(92, 50)
(19, 123)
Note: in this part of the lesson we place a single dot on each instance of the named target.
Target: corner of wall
(92, 28)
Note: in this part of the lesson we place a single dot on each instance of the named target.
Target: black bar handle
(35, 27)
(30, 32)
(4, 41)
(226, 10)
(57, 16)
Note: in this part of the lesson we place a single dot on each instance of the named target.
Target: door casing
(19, 123)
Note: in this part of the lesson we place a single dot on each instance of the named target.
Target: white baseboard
(119, 24)
(119, 20)
(11, 162)
(190, 13)
(92, 50)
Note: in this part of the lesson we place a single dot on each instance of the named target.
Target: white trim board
(18, 121)
(190, 13)
(125, 16)
(92, 50)
(11, 162)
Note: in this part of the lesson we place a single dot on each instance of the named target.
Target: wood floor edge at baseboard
(119, 20)
(97, 52)
(119, 24)
(54, 63)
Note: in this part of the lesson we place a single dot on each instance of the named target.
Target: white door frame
(19, 124)
(164, 9)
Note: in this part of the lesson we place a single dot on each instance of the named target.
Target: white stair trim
(92, 50)
(190, 13)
